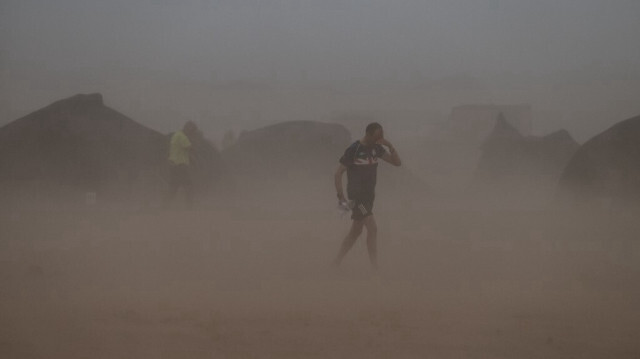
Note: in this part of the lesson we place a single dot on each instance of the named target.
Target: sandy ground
(258, 284)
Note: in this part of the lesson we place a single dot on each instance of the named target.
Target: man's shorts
(362, 207)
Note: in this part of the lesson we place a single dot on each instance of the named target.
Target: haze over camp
(298, 179)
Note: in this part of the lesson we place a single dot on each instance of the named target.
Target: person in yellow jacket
(179, 162)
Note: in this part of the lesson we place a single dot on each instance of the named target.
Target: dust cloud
(509, 231)
(250, 275)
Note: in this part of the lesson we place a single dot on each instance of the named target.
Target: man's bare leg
(349, 240)
(372, 240)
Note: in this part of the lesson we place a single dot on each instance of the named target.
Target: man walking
(360, 161)
(179, 160)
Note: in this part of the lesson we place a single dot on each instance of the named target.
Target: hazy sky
(324, 38)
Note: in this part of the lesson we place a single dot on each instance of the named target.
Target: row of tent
(81, 142)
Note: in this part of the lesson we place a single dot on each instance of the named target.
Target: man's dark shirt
(362, 165)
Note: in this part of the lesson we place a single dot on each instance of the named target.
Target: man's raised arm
(391, 156)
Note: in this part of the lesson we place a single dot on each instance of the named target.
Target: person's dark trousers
(180, 176)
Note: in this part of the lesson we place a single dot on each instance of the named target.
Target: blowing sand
(259, 284)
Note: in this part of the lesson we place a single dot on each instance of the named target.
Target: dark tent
(517, 163)
(78, 141)
(288, 147)
(607, 167)
(506, 152)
